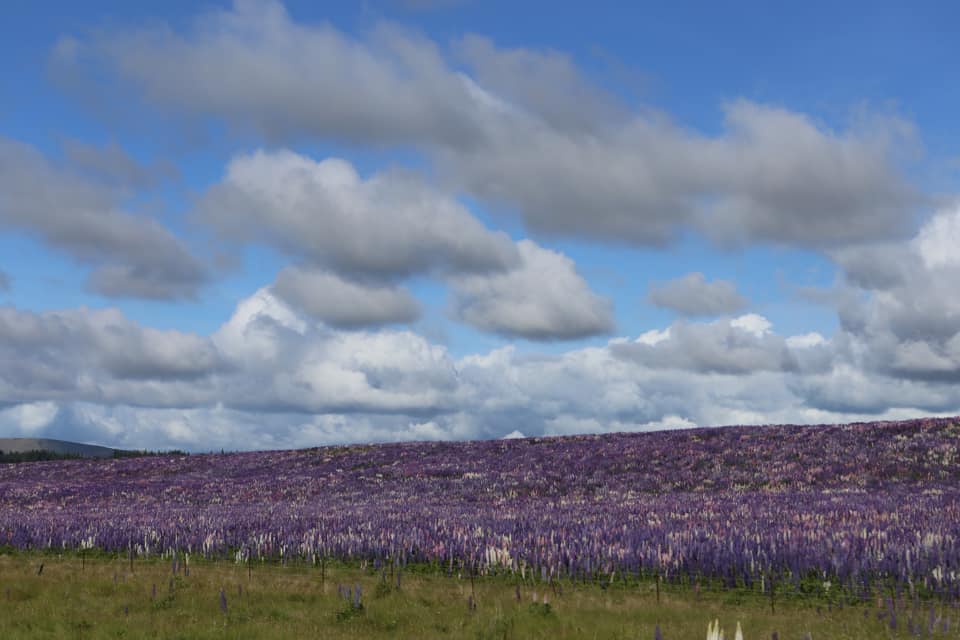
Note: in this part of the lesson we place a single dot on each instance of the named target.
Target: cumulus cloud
(737, 346)
(343, 304)
(288, 364)
(692, 295)
(505, 131)
(131, 255)
(100, 355)
(544, 298)
(112, 163)
(386, 226)
(27, 418)
(261, 70)
(779, 177)
(899, 313)
(546, 83)
(273, 377)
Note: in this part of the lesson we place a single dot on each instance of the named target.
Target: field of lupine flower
(863, 516)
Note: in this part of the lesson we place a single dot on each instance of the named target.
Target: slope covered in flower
(860, 502)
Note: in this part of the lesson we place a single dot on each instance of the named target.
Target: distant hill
(59, 447)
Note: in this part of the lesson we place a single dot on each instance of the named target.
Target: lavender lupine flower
(223, 601)
(656, 633)
(356, 597)
(621, 541)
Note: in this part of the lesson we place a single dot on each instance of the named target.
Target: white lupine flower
(714, 632)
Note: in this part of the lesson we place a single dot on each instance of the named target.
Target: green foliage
(43, 455)
(71, 601)
(34, 455)
(349, 612)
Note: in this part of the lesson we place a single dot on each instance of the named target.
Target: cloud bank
(325, 352)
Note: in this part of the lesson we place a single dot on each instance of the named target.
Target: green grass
(101, 598)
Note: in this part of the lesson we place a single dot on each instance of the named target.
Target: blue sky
(257, 224)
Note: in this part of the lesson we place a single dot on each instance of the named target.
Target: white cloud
(544, 298)
(28, 418)
(524, 129)
(387, 226)
(270, 377)
(752, 323)
(692, 295)
(812, 339)
(899, 313)
(738, 346)
(344, 304)
(131, 255)
(653, 336)
(938, 240)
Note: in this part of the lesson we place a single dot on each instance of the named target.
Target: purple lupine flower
(656, 633)
(356, 597)
(223, 601)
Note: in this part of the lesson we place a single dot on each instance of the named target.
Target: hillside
(863, 502)
(61, 447)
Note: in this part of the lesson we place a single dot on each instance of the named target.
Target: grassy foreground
(102, 598)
